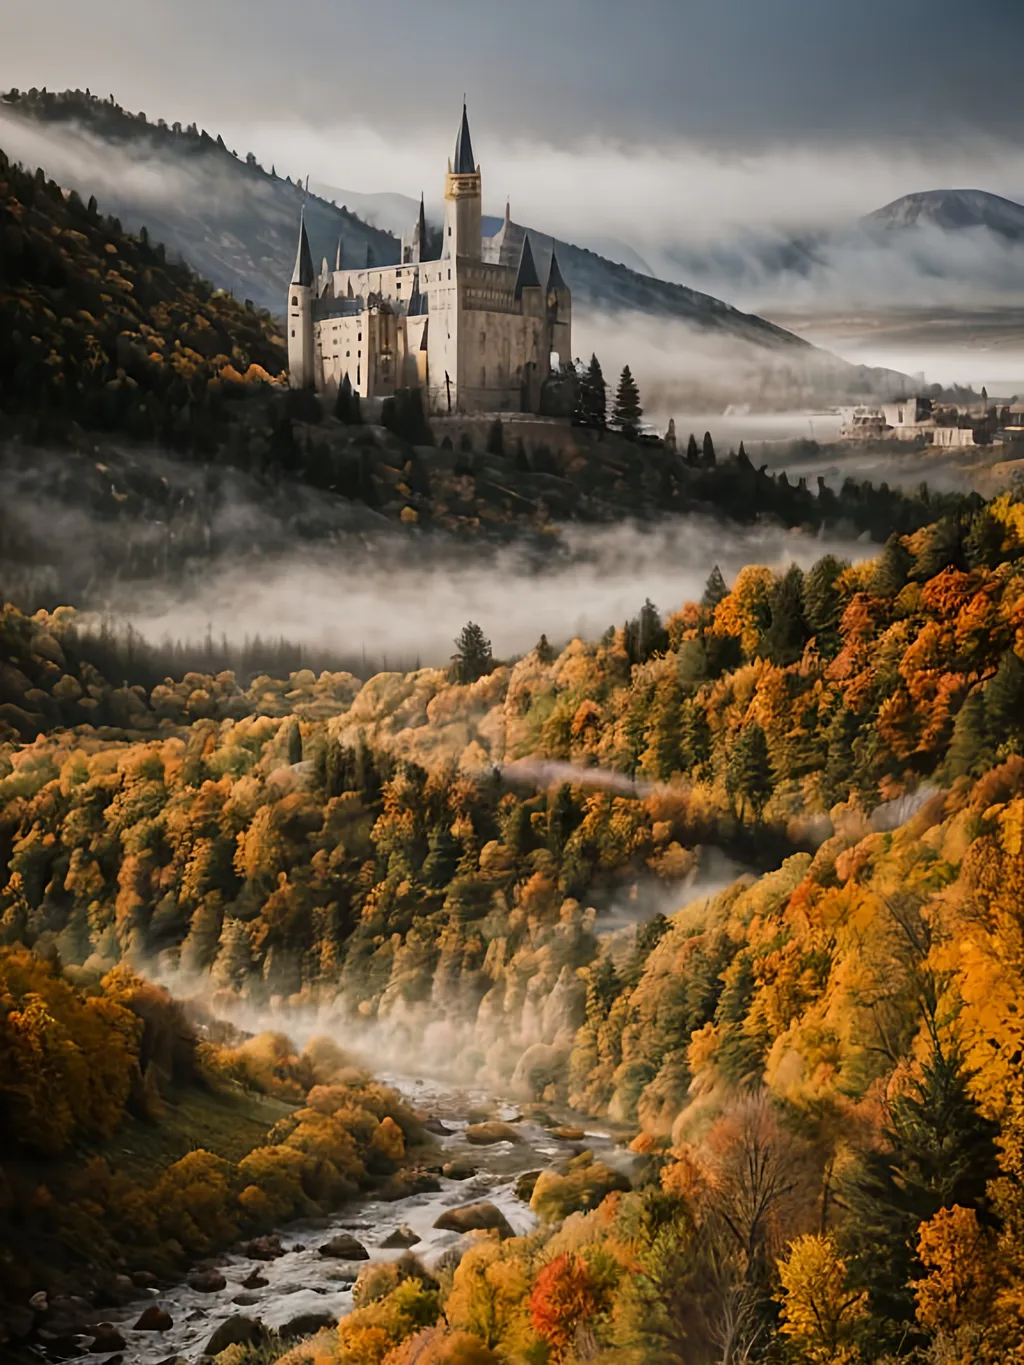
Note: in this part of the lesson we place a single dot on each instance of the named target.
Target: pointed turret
(463, 223)
(303, 272)
(337, 255)
(463, 163)
(527, 277)
(301, 348)
(555, 280)
(421, 228)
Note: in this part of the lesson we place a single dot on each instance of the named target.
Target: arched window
(295, 300)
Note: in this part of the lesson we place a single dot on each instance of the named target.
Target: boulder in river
(263, 1248)
(485, 1134)
(154, 1319)
(254, 1280)
(245, 1299)
(524, 1185)
(106, 1339)
(401, 1237)
(458, 1169)
(143, 1279)
(483, 1216)
(568, 1132)
(305, 1325)
(237, 1330)
(206, 1281)
(344, 1247)
(434, 1125)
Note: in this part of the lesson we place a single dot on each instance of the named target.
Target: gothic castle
(475, 329)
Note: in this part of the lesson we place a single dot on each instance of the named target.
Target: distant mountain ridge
(235, 222)
(952, 211)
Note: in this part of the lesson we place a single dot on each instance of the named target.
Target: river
(304, 1282)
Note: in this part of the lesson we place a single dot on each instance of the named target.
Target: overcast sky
(742, 72)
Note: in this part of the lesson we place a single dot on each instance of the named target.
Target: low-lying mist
(404, 604)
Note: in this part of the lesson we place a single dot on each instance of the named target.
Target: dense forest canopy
(842, 1016)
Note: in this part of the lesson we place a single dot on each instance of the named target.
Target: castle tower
(301, 371)
(414, 250)
(559, 309)
(463, 227)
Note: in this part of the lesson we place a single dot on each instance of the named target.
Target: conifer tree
(707, 457)
(596, 396)
(544, 651)
(627, 411)
(892, 569)
(822, 603)
(937, 1151)
(787, 631)
(692, 451)
(472, 658)
(715, 589)
(748, 773)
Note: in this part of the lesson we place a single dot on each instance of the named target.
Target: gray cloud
(736, 71)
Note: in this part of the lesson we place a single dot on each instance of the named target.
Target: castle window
(293, 331)
(295, 300)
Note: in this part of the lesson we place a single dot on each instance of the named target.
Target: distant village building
(917, 419)
(475, 329)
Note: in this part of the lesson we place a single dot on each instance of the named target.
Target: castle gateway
(474, 329)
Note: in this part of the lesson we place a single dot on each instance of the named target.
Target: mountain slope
(236, 222)
(952, 211)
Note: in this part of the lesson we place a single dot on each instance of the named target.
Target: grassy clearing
(228, 1122)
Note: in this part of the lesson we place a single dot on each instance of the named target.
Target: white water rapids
(303, 1282)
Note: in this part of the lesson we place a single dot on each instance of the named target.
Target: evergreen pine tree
(1004, 704)
(937, 1151)
(787, 631)
(627, 411)
(707, 455)
(472, 659)
(748, 773)
(692, 453)
(652, 637)
(822, 603)
(544, 651)
(983, 543)
(597, 396)
(969, 750)
(892, 568)
(715, 589)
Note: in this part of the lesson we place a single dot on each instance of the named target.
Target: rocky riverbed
(300, 1278)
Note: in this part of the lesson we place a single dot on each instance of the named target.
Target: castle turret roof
(464, 163)
(303, 272)
(421, 227)
(527, 277)
(555, 278)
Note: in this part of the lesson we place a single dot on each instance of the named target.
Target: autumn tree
(821, 1315)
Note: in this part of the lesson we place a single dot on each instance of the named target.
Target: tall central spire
(464, 163)
(303, 272)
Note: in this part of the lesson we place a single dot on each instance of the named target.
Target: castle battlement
(474, 328)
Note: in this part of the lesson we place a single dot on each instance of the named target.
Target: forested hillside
(821, 1064)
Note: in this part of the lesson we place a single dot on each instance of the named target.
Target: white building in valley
(475, 329)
